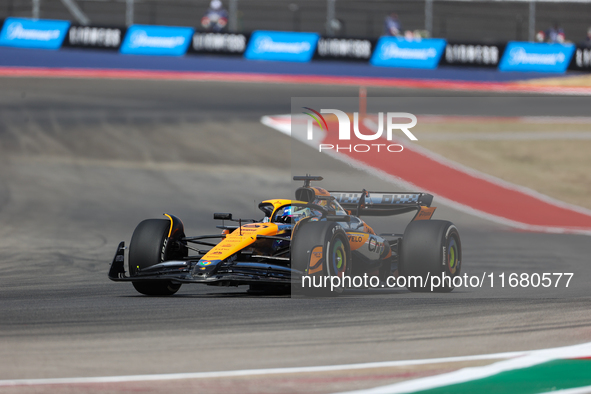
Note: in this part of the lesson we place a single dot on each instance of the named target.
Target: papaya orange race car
(318, 235)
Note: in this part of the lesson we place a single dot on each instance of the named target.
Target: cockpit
(292, 213)
(319, 204)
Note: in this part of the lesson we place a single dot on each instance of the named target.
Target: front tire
(149, 246)
(321, 249)
(430, 248)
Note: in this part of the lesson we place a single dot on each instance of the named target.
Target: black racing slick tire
(321, 249)
(149, 246)
(430, 248)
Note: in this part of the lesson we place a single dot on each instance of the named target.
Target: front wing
(231, 273)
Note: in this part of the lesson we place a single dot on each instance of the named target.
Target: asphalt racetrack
(82, 162)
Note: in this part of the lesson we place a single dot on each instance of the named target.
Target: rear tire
(335, 258)
(430, 248)
(150, 245)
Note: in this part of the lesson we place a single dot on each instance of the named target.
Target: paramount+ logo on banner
(156, 40)
(524, 56)
(281, 46)
(29, 33)
(387, 125)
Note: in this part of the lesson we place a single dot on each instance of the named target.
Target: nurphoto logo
(344, 132)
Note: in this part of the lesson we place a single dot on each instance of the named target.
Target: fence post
(330, 16)
(532, 20)
(233, 22)
(429, 17)
(295, 16)
(76, 12)
(129, 12)
(36, 10)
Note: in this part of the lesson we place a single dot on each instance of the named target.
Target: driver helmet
(290, 215)
(286, 215)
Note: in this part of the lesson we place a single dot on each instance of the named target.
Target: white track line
(251, 372)
(576, 390)
(467, 374)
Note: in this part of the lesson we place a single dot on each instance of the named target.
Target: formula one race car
(320, 234)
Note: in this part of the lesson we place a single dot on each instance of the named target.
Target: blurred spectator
(336, 27)
(420, 34)
(392, 25)
(587, 42)
(216, 17)
(555, 34)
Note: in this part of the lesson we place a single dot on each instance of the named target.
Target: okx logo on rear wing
(382, 203)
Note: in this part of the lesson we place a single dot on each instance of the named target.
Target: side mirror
(222, 216)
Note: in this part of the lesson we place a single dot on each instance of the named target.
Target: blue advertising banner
(29, 33)
(400, 52)
(283, 46)
(156, 40)
(526, 56)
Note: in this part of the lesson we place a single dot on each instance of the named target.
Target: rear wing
(382, 203)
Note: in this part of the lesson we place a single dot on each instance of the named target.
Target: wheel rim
(339, 258)
(453, 257)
